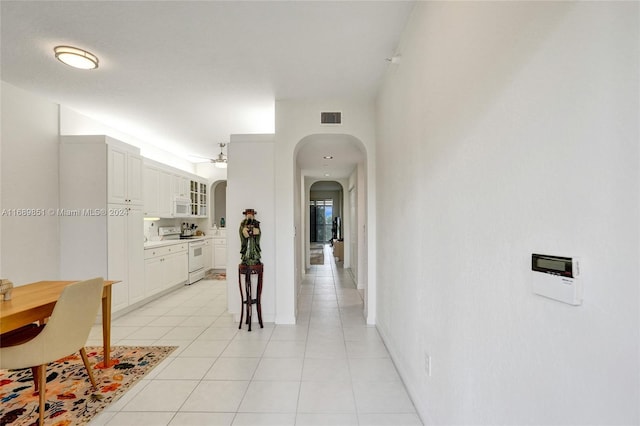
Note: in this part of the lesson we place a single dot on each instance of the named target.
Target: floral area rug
(213, 275)
(70, 398)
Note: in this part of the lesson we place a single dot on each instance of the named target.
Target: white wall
(250, 184)
(29, 180)
(296, 120)
(510, 128)
(75, 123)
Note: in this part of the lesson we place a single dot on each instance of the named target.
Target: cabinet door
(135, 254)
(220, 256)
(135, 193)
(180, 186)
(176, 268)
(154, 275)
(116, 175)
(207, 252)
(165, 196)
(151, 192)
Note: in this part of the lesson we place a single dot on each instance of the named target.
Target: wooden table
(34, 302)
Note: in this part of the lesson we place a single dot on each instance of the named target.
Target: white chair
(66, 332)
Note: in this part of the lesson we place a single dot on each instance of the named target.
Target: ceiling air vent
(330, 118)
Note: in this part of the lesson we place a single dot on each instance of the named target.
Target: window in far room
(321, 219)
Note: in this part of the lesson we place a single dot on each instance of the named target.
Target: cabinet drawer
(219, 241)
(164, 250)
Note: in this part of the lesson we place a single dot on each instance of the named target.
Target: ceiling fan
(220, 161)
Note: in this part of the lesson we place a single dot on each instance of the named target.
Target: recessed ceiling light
(76, 58)
(328, 157)
(327, 174)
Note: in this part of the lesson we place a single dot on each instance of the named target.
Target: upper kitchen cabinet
(180, 186)
(198, 195)
(165, 185)
(158, 195)
(125, 174)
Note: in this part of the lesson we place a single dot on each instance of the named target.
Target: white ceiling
(185, 75)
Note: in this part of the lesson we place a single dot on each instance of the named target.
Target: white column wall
(510, 128)
(250, 184)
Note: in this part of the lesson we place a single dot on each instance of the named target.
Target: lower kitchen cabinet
(165, 267)
(207, 252)
(219, 253)
(125, 255)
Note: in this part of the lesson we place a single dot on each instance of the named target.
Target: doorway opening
(340, 218)
(218, 204)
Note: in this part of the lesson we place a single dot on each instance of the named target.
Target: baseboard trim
(421, 407)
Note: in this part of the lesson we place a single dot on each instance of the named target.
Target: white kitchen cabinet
(99, 238)
(165, 199)
(177, 268)
(125, 254)
(219, 253)
(180, 185)
(198, 195)
(207, 252)
(157, 193)
(165, 267)
(124, 171)
(151, 192)
(154, 275)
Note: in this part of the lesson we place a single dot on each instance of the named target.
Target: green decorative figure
(250, 238)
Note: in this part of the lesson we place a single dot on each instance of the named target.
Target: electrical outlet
(427, 364)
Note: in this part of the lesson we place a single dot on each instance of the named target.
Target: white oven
(196, 261)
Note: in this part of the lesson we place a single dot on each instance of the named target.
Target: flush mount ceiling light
(328, 157)
(76, 58)
(221, 160)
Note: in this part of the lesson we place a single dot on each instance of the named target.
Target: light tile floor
(328, 369)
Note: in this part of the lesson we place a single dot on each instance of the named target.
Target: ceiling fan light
(76, 58)
(221, 161)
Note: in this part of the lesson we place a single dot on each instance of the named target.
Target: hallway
(329, 369)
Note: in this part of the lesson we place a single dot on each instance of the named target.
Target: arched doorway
(218, 204)
(340, 159)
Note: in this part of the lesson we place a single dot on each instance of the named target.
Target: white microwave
(181, 207)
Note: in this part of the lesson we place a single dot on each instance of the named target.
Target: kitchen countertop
(162, 243)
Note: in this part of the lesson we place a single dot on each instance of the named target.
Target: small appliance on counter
(188, 230)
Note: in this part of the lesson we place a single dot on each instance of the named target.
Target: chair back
(67, 329)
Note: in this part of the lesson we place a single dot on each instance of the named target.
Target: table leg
(259, 296)
(247, 283)
(106, 327)
(241, 299)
